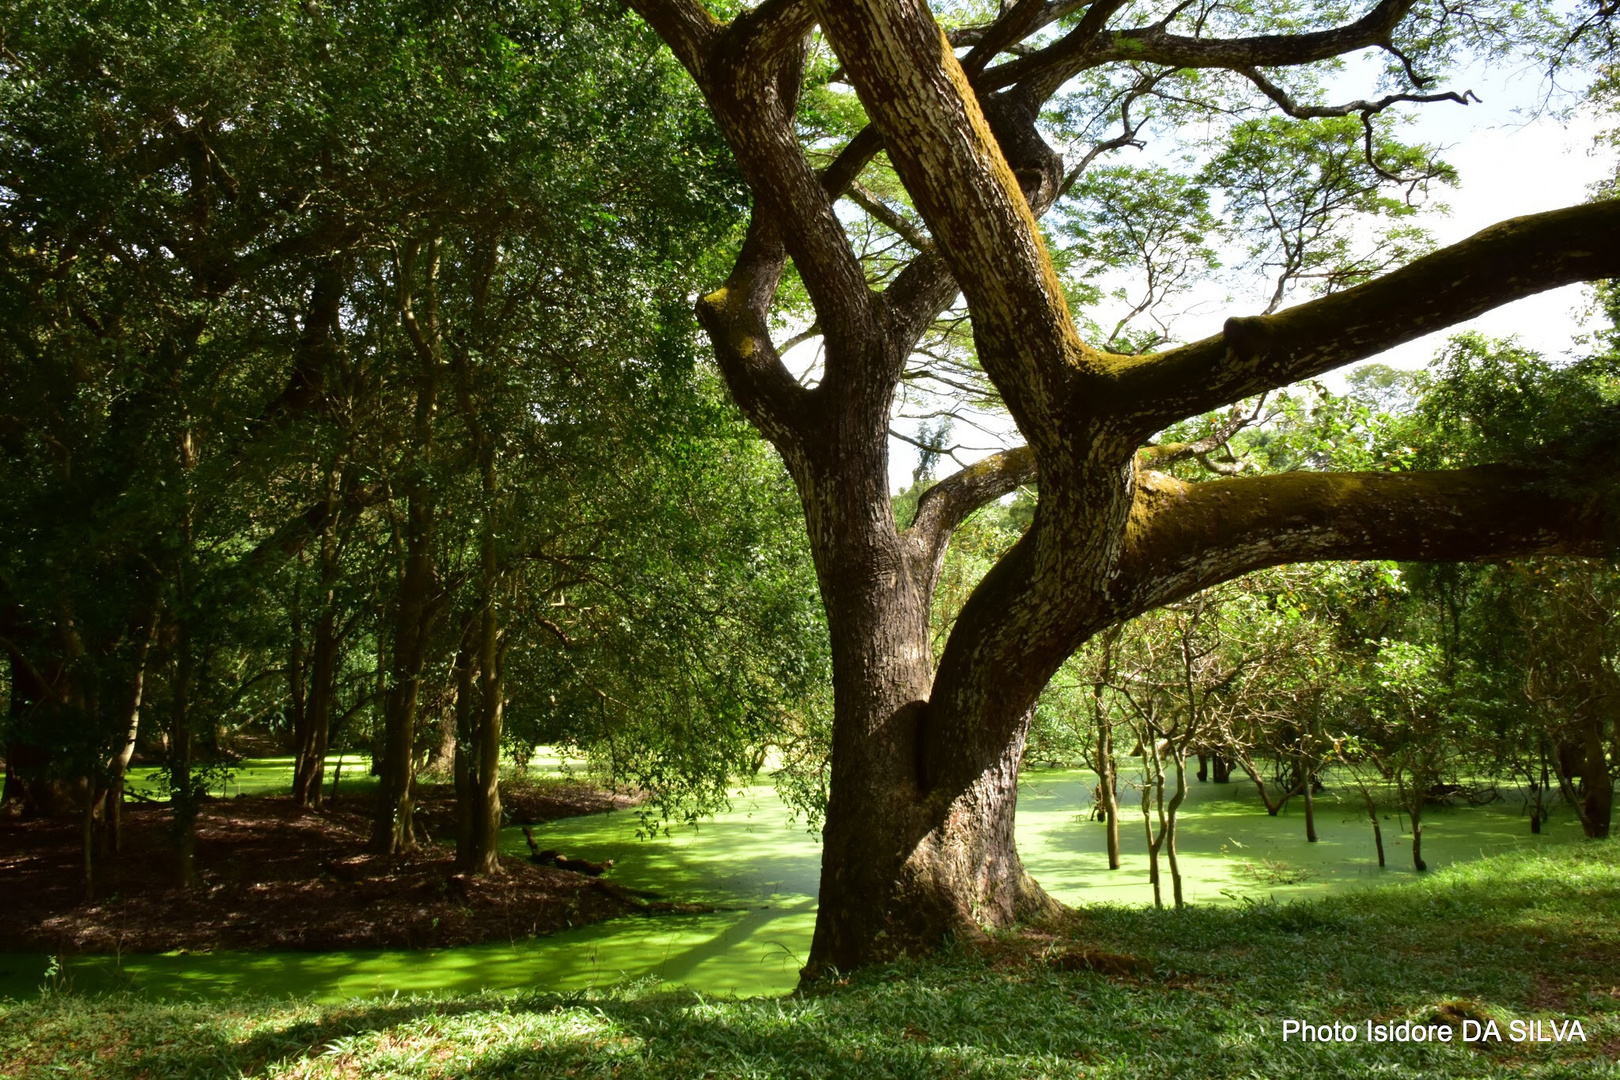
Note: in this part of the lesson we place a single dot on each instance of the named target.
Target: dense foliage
(350, 395)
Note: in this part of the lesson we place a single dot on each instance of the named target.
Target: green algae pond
(760, 869)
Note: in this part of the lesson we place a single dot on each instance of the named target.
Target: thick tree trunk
(479, 707)
(487, 794)
(918, 842)
(1585, 779)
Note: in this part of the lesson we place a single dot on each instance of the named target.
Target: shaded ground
(272, 877)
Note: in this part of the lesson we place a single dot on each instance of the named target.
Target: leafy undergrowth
(1115, 992)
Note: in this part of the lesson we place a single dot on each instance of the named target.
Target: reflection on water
(762, 870)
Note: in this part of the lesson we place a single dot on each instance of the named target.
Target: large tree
(918, 840)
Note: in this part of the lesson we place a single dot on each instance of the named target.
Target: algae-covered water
(762, 869)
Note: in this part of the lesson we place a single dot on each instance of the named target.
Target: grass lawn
(1531, 935)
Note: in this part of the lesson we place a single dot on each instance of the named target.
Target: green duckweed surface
(761, 869)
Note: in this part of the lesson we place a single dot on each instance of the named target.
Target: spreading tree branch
(1510, 260)
(1186, 537)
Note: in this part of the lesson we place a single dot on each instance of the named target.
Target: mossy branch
(1186, 537)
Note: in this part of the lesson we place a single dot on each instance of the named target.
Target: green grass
(1529, 934)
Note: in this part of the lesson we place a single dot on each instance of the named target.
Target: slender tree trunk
(1310, 806)
(1372, 817)
(1272, 805)
(1538, 812)
(1413, 797)
(87, 835)
(487, 796)
(310, 769)
(322, 690)
(297, 677)
(182, 788)
(1110, 791)
(392, 831)
(464, 759)
(1170, 827)
(1107, 767)
(112, 800)
(1598, 811)
(1153, 805)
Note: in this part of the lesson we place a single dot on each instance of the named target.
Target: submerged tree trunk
(1170, 827)
(1110, 792)
(1273, 804)
(1107, 768)
(1417, 839)
(1310, 806)
(1153, 804)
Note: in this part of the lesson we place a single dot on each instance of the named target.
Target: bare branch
(1061, 61)
(1364, 108)
(1159, 455)
(870, 202)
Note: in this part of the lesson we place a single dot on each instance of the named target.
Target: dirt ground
(272, 877)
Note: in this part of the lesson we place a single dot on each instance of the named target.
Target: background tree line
(1411, 683)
